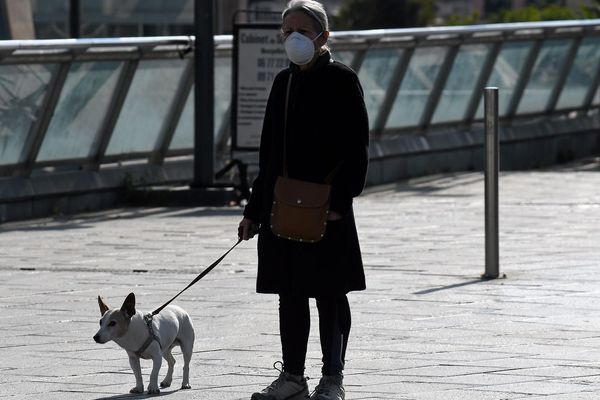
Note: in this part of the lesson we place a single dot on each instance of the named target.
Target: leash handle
(200, 276)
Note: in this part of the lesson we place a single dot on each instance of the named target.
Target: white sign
(260, 56)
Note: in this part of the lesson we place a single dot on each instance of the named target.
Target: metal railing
(92, 104)
(53, 84)
(456, 63)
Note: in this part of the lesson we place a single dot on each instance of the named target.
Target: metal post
(492, 162)
(74, 19)
(204, 94)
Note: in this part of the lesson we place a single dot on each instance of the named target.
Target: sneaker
(330, 387)
(286, 387)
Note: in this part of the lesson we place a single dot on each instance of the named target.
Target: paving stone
(426, 328)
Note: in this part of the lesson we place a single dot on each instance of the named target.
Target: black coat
(327, 124)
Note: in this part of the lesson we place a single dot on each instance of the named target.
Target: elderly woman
(326, 133)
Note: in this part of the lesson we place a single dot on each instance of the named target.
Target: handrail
(570, 26)
(478, 30)
(43, 44)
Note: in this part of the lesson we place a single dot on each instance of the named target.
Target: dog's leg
(171, 363)
(187, 350)
(134, 362)
(156, 363)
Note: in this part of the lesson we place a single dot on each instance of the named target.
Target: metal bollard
(492, 162)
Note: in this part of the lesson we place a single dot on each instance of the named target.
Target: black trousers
(334, 327)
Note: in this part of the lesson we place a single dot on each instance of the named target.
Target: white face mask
(299, 48)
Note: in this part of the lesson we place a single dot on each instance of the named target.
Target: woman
(327, 131)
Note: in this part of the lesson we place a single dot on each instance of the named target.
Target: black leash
(202, 275)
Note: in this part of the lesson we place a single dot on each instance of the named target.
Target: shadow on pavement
(454, 286)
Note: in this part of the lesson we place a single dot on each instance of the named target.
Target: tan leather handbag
(300, 209)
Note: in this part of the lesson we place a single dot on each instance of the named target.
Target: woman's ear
(323, 39)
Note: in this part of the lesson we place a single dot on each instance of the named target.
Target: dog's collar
(151, 337)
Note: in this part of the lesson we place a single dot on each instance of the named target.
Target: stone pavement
(427, 327)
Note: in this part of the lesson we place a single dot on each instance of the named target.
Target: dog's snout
(97, 338)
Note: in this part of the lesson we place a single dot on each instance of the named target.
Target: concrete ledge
(72, 192)
(524, 144)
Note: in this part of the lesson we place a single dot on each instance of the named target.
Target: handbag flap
(301, 193)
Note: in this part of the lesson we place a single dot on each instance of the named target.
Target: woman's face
(298, 21)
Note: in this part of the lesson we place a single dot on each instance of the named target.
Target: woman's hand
(246, 229)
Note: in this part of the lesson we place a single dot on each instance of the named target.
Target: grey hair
(312, 8)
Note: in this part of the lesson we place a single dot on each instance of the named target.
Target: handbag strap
(329, 177)
(285, 117)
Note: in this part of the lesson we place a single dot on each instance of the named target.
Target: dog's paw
(165, 384)
(186, 387)
(137, 390)
(154, 391)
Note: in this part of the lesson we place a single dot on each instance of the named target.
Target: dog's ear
(128, 306)
(103, 307)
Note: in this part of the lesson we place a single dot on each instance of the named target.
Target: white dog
(148, 337)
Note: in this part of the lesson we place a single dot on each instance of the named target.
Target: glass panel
(596, 101)
(416, 86)
(80, 111)
(50, 18)
(375, 75)
(505, 73)
(22, 91)
(461, 83)
(114, 18)
(345, 57)
(146, 106)
(544, 76)
(222, 91)
(184, 134)
(581, 76)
